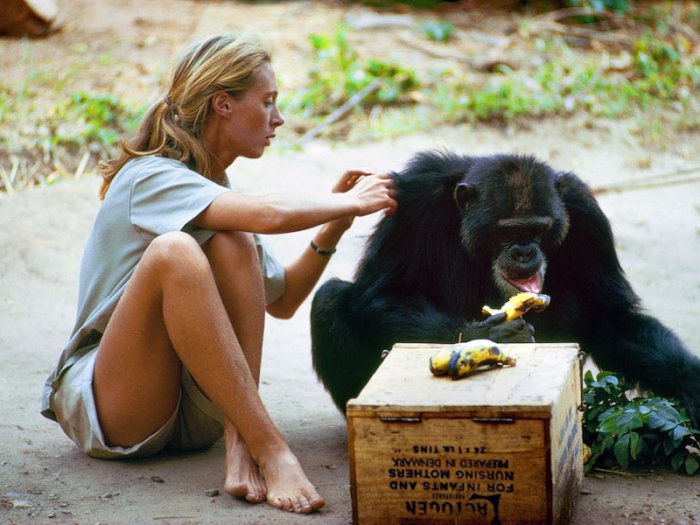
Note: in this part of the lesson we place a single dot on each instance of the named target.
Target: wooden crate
(502, 446)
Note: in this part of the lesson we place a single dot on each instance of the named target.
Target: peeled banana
(519, 304)
(461, 359)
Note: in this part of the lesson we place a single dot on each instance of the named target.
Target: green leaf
(668, 447)
(677, 460)
(636, 445)
(607, 443)
(628, 421)
(622, 451)
(655, 420)
(678, 434)
(667, 411)
(608, 421)
(691, 465)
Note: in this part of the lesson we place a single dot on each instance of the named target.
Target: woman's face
(254, 117)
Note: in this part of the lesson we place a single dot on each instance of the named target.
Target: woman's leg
(234, 262)
(171, 314)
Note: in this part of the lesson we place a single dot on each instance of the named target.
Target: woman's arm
(302, 275)
(277, 214)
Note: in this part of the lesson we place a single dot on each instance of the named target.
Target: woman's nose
(277, 117)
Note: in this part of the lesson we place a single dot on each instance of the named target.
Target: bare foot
(288, 488)
(243, 478)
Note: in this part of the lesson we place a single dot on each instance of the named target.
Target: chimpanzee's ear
(464, 194)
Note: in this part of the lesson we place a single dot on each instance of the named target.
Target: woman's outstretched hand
(374, 191)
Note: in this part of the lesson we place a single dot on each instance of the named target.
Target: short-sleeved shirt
(149, 196)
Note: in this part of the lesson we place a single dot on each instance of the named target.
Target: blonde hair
(173, 126)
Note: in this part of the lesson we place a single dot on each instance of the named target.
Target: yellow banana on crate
(440, 361)
(519, 304)
(461, 359)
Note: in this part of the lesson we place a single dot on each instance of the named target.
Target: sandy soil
(44, 479)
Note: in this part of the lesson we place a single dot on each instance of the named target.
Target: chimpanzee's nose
(522, 252)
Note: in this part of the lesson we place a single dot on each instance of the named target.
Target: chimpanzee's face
(511, 215)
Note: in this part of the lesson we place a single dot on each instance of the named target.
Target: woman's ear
(221, 104)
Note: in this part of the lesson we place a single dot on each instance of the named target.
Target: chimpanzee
(471, 231)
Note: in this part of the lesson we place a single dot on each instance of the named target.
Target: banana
(440, 361)
(519, 304)
(460, 359)
(587, 453)
(475, 354)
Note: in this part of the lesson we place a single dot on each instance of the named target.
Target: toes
(299, 505)
(282, 503)
(257, 493)
(238, 490)
(316, 502)
(253, 497)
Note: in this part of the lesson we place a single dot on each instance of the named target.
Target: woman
(174, 284)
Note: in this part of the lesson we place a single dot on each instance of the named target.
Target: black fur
(430, 267)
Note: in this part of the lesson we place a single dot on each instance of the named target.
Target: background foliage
(607, 59)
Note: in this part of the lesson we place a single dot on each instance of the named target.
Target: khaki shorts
(196, 422)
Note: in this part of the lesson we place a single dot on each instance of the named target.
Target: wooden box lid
(403, 383)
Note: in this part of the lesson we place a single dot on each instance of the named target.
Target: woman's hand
(374, 191)
(346, 182)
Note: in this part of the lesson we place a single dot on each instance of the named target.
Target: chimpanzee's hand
(498, 330)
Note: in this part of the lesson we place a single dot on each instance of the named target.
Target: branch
(339, 113)
(653, 181)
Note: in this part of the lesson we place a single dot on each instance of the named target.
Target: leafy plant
(426, 4)
(619, 6)
(632, 431)
(98, 121)
(337, 73)
(438, 30)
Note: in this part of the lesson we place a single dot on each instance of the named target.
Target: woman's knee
(176, 252)
(233, 246)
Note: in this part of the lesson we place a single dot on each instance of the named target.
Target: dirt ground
(44, 479)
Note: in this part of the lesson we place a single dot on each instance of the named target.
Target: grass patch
(659, 73)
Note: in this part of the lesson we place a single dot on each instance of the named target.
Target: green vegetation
(336, 74)
(656, 71)
(438, 30)
(656, 76)
(96, 121)
(424, 4)
(619, 6)
(650, 77)
(638, 431)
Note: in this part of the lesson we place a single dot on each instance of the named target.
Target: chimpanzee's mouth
(533, 284)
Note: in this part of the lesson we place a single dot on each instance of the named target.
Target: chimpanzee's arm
(608, 320)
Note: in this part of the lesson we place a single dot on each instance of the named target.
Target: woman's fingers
(376, 192)
(349, 179)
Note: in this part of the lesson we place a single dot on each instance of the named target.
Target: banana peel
(519, 304)
(461, 359)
